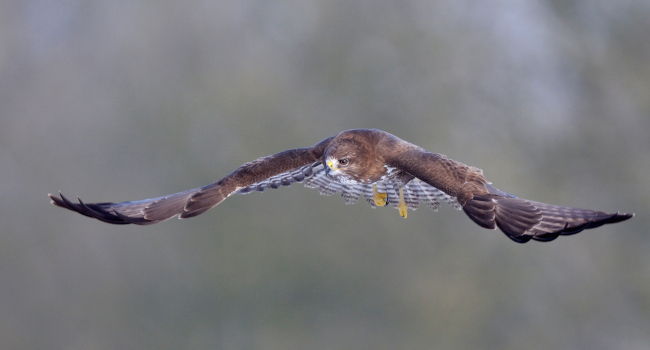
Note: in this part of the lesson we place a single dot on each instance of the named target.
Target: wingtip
(55, 200)
(618, 217)
(614, 218)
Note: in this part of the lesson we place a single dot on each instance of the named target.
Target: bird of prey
(375, 165)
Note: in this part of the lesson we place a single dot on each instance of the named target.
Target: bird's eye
(344, 161)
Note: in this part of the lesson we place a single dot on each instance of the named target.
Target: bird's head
(350, 158)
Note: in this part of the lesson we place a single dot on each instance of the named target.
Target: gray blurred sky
(120, 100)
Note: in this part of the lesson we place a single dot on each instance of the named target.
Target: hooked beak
(330, 164)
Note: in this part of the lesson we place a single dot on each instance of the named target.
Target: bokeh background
(122, 100)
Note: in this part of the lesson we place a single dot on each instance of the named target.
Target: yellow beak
(330, 164)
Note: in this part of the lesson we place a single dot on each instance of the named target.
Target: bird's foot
(402, 207)
(380, 199)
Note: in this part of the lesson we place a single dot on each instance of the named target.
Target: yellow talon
(403, 208)
(379, 198)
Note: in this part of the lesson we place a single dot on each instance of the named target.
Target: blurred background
(123, 100)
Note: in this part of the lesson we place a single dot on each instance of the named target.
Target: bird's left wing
(275, 170)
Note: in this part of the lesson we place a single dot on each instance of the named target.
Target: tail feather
(522, 220)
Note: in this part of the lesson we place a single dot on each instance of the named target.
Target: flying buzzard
(375, 165)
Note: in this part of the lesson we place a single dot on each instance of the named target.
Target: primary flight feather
(375, 165)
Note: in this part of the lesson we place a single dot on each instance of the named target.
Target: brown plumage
(367, 163)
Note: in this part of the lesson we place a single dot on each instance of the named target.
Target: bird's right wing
(278, 169)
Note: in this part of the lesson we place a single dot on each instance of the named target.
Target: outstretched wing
(520, 219)
(281, 168)
(142, 212)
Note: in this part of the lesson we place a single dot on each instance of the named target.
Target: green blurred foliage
(119, 100)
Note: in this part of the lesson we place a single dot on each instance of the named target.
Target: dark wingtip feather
(522, 220)
(58, 201)
(53, 199)
(568, 230)
(618, 217)
(91, 210)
